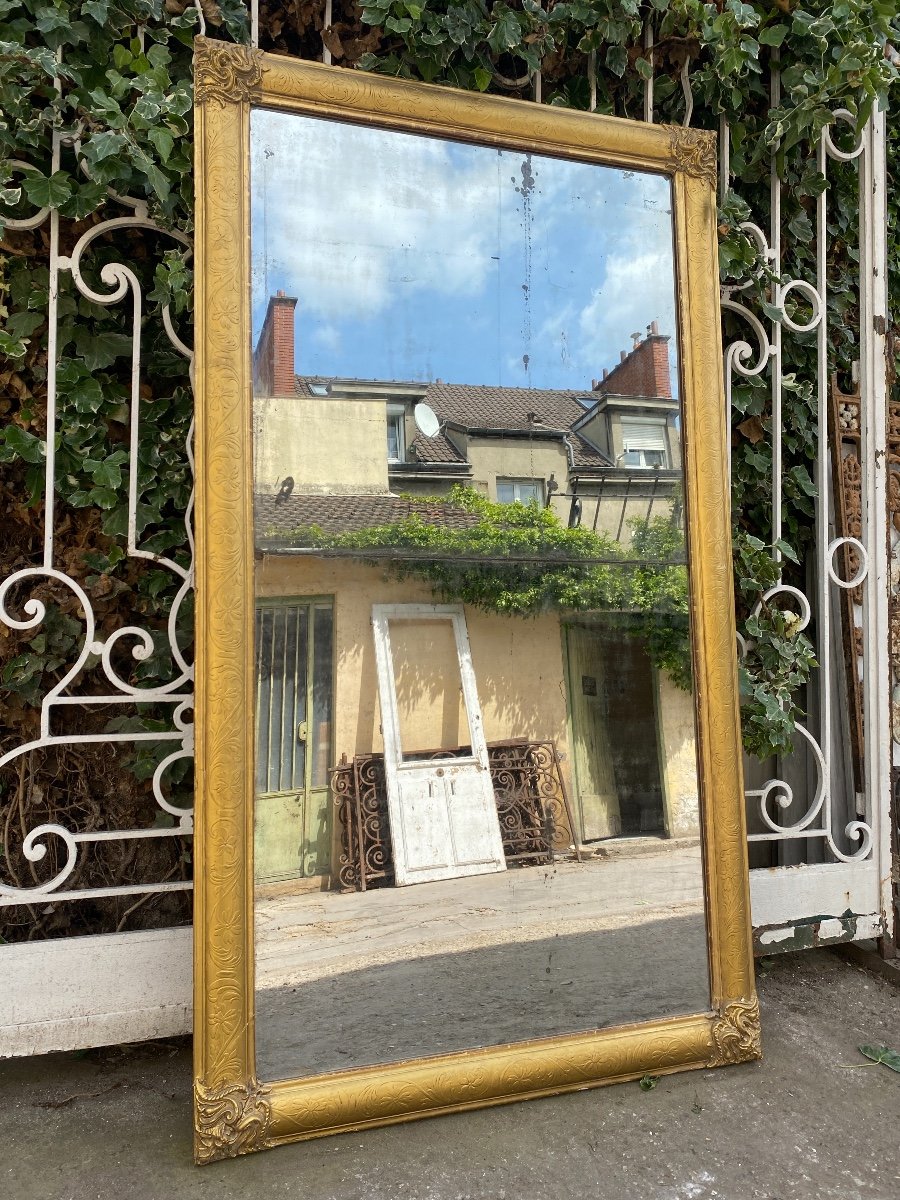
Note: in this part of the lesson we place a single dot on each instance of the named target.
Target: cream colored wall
(610, 514)
(325, 445)
(678, 755)
(515, 459)
(430, 704)
(517, 662)
(596, 430)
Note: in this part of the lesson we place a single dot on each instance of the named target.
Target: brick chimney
(643, 371)
(273, 358)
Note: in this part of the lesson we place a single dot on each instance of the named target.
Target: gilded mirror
(469, 805)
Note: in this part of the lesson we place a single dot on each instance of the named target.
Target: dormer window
(396, 433)
(644, 444)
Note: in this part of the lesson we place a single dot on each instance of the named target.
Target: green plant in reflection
(520, 560)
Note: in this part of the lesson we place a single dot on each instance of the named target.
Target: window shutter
(640, 435)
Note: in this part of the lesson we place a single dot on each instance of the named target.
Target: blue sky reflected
(416, 258)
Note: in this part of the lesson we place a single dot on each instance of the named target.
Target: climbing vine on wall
(115, 77)
(519, 560)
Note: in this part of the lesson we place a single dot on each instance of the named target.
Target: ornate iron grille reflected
(535, 816)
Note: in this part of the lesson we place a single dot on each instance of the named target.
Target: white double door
(441, 805)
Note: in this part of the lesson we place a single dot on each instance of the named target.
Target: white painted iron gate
(826, 832)
(823, 847)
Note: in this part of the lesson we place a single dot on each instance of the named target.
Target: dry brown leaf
(753, 430)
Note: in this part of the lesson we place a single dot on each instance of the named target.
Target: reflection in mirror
(476, 812)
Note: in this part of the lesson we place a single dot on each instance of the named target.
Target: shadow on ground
(486, 997)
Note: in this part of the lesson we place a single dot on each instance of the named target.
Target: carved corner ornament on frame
(736, 1033)
(230, 1120)
(234, 1113)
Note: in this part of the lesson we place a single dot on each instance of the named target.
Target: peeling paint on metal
(821, 930)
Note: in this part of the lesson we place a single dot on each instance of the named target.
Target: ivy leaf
(881, 1054)
(772, 35)
(10, 347)
(644, 68)
(108, 473)
(801, 477)
(101, 145)
(47, 191)
(115, 523)
(801, 227)
(617, 60)
(98, 9)
(103, 497)
(23, 324)
(786, 550)
(772, 311)
(85, 199)
(158, 181)
(100, 348)
(86, 396)
(163, 141)
(505, 33)
(23, 444)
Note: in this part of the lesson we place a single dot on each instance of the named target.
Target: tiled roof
(478, 407)
(585, 455)
(346, 514)
(475, 406)
(435, 450)
(302, 382)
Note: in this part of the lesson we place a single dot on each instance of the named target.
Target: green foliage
(113, 82)
(779, 656)
(55, 645)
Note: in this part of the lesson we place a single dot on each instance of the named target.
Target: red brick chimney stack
(643, 371)
(273, 359)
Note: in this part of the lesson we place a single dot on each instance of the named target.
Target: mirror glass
(476, 811)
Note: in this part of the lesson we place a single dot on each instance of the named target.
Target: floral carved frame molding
(234, 1112)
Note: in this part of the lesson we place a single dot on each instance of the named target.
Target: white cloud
(637, 288)
(345, 223)
(356, 218)
(327, 336)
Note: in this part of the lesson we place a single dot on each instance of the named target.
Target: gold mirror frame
(235, 1112)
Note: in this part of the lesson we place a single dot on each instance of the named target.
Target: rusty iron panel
(536, 820)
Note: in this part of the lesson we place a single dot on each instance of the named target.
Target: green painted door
(294, 672)
(594, 775)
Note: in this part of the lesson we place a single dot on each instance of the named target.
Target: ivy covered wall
(114, 77)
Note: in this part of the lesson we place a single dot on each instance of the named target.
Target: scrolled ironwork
(96, 655)
(744, 359)
(533, 809)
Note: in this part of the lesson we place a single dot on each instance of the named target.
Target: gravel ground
(812, 1121)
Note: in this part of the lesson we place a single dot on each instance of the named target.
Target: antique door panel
(443, 815)
(595, 783)
(293, 736)
(447, 823)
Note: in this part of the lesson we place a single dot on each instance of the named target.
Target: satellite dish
(426, 420)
